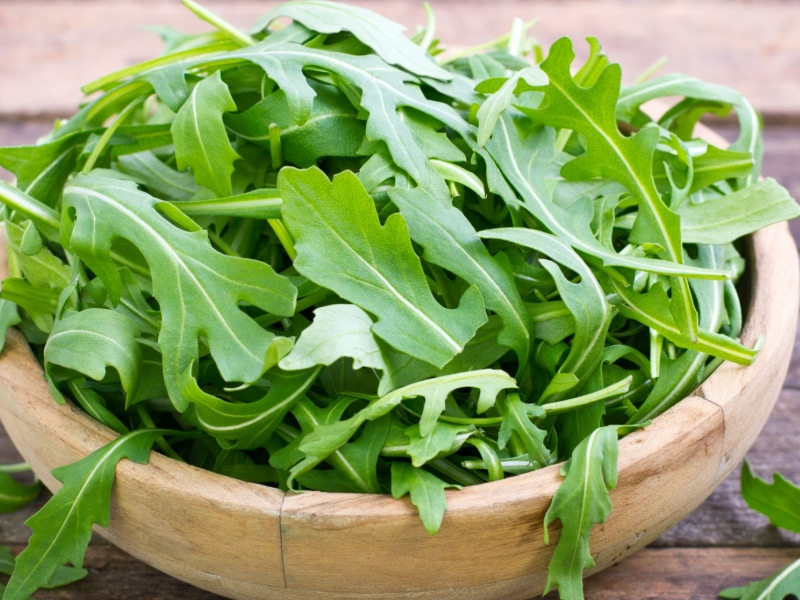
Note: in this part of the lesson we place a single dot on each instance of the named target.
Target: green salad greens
(319, 254)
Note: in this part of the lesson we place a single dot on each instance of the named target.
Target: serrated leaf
(90, 341)
(531, 167)
(14, 495)
(200, 137)
(342, 246)
(337, 331)
(62, 528)
(384, 90)
(585, 299)
(449, 240)
(501, 99)
(199, 290)
(581, 501)
(63, 575)
(383, 36)
(444, 439)
(727, 218)
(489, 382)
(247, 425)
(590, 111)
(426, 491)
(652, 308)
(517, 417)
(782, 586)
(158, 178)
(779, 502)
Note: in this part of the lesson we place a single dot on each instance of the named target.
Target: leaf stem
(222, 25)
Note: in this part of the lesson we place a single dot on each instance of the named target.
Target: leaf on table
(200, 137)
(426, 491)
(199, 290)
(90, 341)
(727, 218)
(62, 528)
(14, 495)
(581, 501)
(63, 575)
(342, 246)
(784, 585)
(779, 502)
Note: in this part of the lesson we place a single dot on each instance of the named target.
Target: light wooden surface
(49, 47)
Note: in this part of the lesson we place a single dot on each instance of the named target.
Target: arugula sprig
(347, 262)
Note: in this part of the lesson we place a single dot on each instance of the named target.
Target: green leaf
(591, 111)
(91, 340)
(779, 502)
(342, 246)
(426, 491)
(14, 495)
(585, 299)
(63, 575)
(581, 501)
(337, 331)
(444, 439)
(727, 218)
(200, 138)
(517, 417)
(247, 425)
(653, 309)
(62, 528)
(449, 240)
(781, 586)
(199, 290)
(9, 316)
(158, 178)
(383, 36)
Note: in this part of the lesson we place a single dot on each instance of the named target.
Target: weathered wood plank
(51, 48)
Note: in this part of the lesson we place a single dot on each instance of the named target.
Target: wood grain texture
(50, 49)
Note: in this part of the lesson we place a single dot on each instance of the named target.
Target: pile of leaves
(325, 255)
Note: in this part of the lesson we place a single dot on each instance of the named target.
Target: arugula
(779, 502)
(347, 262)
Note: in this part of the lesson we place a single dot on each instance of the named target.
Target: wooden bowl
(249, 541)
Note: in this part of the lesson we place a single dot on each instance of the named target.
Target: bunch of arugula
(344, 262)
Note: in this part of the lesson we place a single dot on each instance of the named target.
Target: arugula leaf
(426, 491)
(14, 495)
(62, 528)
(735, 215)
(780, 502)
(334, 223)
(91, 340)
(781, 586)
(63, 575)
(184, 269)
(581, 501)
(200, 138)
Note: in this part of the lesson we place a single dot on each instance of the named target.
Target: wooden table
(49, 48)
